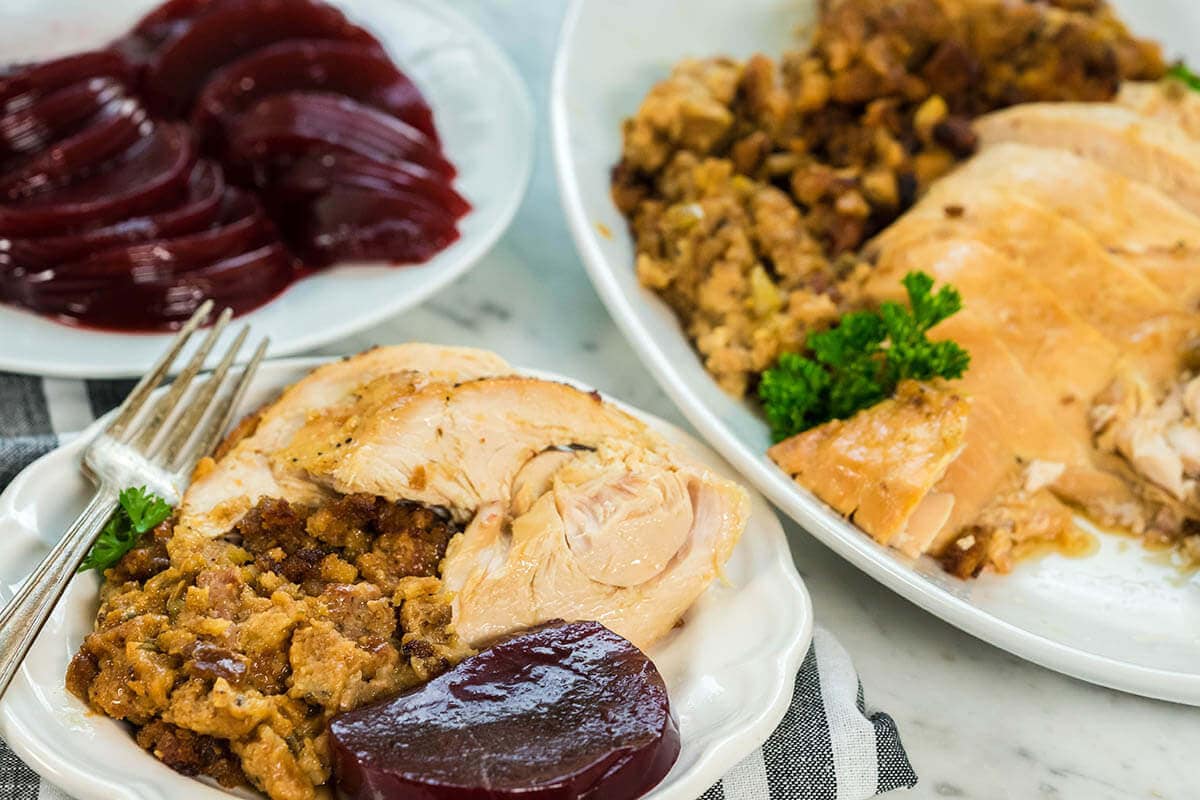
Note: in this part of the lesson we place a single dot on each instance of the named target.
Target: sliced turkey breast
(915, 471)
(1019, 436)
(1135, 223)
(1073, 238)
(624, 536)
(1037, 367)
(1140, 147)
(575, 509)
(1024, 429)
(455, 446)
(1169, 101)
(1143, 321)
(1068, 359)
(223, 490)
(879, 467)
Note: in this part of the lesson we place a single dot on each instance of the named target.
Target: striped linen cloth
(828, 747)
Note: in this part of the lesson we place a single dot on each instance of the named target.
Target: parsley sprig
(859, 363)
(139, 511)
(1180, 72)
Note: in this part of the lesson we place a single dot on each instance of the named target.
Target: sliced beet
(111, 132)
(317, 173)
(55, 115)
(242, 227)
(152, 171)
(347, 224)
(354, 70)
(161, 25)
(106, 217)
(561, 712)
(165, 24)
(207, 37)
(241, 282)
(197, 209)
(23, 84)
(300, 123)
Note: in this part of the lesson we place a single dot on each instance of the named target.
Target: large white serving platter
(483, 114)
(729, 668)
(1121, 617)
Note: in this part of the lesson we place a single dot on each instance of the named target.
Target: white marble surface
(977, 722)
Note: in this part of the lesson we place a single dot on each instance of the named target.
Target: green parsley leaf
(144, 510)
(139, 511)
(859, 363)
(795, 394)
(1180, 72)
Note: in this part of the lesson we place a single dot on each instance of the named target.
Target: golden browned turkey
(1138, 225)
(576, 510)
(1143, 148)
(1034, 368)
(1169, 100)
(450, 445)
(1098, 294)
(573, 509)
(623, 536)
(1074, 239)
(880, 467)
(221, 492)
(1090, 280)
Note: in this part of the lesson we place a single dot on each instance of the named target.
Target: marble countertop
(977, 722)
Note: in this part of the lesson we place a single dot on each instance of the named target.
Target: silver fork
(152, 444)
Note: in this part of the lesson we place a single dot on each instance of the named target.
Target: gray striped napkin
(828, 747)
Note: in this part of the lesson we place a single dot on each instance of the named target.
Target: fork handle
(23, 617)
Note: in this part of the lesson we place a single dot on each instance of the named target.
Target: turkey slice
(224, 489)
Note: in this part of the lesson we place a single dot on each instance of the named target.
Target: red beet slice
(152, 171)
(220, 32)
(299, 123)
(112, 131)
(164, 23)
(197, 209)
(54, 116)
(359, 72)
(242, 227)
(321, 172)
(23, 84)
(107, 218)
(348, 224)
(241, 282)
(561, 712)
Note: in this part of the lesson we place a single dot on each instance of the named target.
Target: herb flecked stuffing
(859, 363)
(138, 511)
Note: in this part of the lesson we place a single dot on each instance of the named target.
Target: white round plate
(483, 115)
(1122, 617)
(729, 668)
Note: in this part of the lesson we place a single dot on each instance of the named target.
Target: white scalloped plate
(1122, 617)
(483, 114)
(729, 668)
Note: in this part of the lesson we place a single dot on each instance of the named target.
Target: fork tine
(137, 397)
(223, 412)
(199, 405)
(169, 402)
